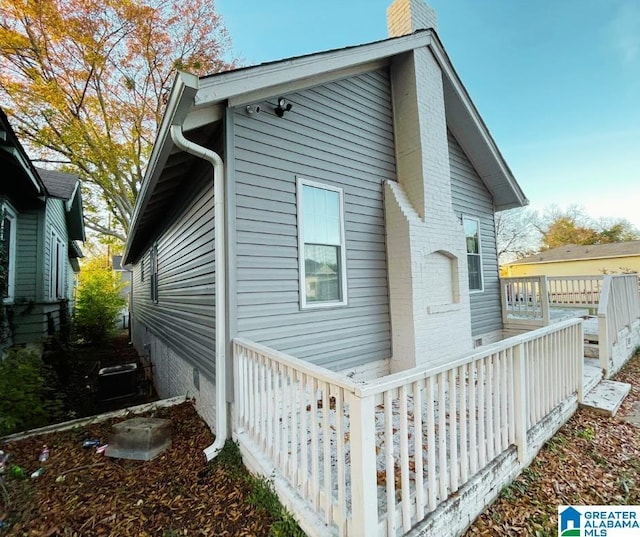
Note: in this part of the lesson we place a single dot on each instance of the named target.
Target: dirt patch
(85, 493)
(592, 460)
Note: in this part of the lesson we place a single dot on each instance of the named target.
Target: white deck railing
(527, 300)
(376, 458)
(574, 291)
(619, 309)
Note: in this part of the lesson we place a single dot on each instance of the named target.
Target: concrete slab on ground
(606, 397)
(634, 416)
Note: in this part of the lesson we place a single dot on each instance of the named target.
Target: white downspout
(219, 253)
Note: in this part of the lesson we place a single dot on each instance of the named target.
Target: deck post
(544, 300)
(364, 486)
(520, 396)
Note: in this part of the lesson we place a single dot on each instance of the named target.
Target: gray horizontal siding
(470, 197)
(26, 256)
(340, 134)
(184, 316)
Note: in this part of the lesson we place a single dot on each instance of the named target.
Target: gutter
(219, 253)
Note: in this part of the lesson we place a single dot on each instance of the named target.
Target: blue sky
(557, 82)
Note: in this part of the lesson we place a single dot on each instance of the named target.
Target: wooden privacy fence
(619, 309)
(376, 458)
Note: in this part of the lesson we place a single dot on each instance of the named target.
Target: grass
(262, 494)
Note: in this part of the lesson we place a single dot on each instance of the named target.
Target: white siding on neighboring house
(471, 198)
(183, 315)
(340, 135)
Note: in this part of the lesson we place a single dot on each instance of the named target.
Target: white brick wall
(428, 282)
(406, 16)
(174, 376)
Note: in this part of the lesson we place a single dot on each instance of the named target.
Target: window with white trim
(57, 262)
(321, 243)
(8, 233)
(474, 253)
(153, 279)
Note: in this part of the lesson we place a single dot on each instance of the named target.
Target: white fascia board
(185, 87)
(233, 84)
(201, 117)
(463, 97)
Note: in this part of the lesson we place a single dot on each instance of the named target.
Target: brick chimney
(428, 281)
(406, 16)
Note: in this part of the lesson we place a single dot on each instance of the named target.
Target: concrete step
(591, 374)
(606, 397)
(591, 350)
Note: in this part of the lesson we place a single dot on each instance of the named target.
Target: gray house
(41, 220)
(338, 207)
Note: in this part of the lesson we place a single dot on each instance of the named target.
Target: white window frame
(57, 252)
(479, 254)
(304, 304)
(10, 213)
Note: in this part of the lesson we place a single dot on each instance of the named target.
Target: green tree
(99, 301)
(573, 226)
(85, 82)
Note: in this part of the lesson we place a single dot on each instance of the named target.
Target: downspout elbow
(220, 313)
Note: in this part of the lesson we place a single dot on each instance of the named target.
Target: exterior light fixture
(283, 106)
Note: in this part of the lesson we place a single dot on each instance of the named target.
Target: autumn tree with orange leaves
(84, 83)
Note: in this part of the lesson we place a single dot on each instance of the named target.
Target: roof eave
(181, 98)
(471, 130)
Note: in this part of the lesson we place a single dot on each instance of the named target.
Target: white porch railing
(619, 309)
(527, 300)
(524, 301)
(376, 458)
(574, 291)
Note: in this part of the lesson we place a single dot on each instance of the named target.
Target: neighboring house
(575, 260)
(42, 219)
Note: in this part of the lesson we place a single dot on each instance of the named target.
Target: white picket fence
(618, 314)
(375, 458)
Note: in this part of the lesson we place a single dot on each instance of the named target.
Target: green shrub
(98, 303)
(27, 399)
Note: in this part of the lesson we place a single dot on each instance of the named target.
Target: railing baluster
(453, 430)
(418, 449)
(326, 452)
(442, 436)
(431, 445)
(390, 473)
(464, 422)
(404, 458)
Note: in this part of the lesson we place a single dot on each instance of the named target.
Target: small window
(321, 245)
(154, 273)
(8, 233)
(57, 254)
(474, 253)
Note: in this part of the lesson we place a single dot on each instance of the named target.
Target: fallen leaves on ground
(86, 493)
(592, 460)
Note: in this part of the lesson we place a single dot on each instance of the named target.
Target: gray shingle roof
(59, 184)
(572, 252)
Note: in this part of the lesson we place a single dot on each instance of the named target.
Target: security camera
(253, 109)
